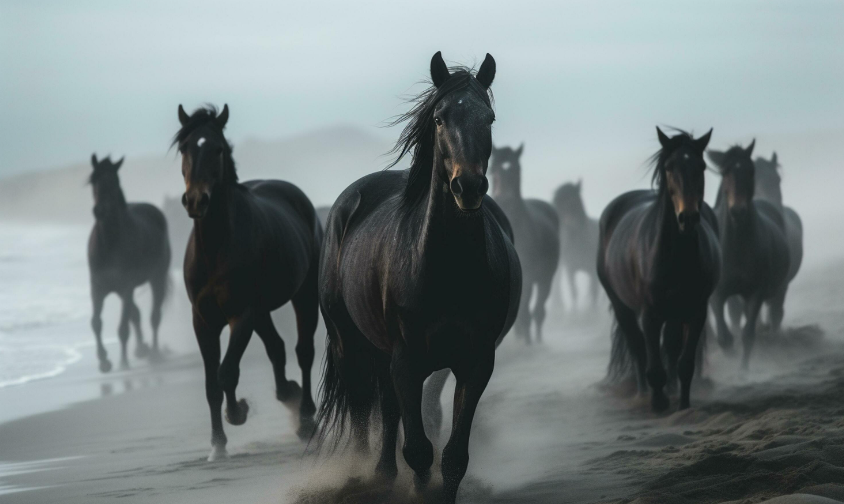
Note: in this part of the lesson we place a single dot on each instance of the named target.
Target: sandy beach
(546, 431)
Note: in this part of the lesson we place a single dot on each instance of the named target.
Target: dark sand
(545, 432)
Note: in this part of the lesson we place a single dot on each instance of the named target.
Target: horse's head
(569, 202)
(738, 177)
(108, 197)
(768, 179)
(680, 168)
(206, 157)
(463, 119)
(506, 172)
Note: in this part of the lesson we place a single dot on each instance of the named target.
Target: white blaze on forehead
(685, 156)
(200, 142)
(460, 100)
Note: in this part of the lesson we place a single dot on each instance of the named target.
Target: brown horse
(254, 247)
(417, 274)
(128, 247)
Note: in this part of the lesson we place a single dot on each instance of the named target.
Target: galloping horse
(537, 232)
(128, 247)
(755, 251)
(417, 275)
(578, 241)
(659, 261)
(254, 247)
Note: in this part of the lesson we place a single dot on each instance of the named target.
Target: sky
(582, 83)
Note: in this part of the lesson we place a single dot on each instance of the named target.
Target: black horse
(254, 247)
(417, 275)
(755, 251)
(578, 242)
(128, 247)
(537, 232)
(768, 189)
(659, 261)
(322, 214)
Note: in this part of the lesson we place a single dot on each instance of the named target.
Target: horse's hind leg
(471, 383)
(656, 371)
(141, 350)
(407, 380)
(523, 319)
(98, 298)
(208, 339)
(628, 324)
(432, 409)
(776, 310)
(306, 304)
(735, 308)
(571, 279)
(725, 337)
(159, 292)
(543, 289)
(229, 374)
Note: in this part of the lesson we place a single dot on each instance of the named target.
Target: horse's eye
(438, 121)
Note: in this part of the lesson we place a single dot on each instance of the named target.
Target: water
(44, 285)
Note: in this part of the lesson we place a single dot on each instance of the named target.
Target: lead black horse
(537, 232)
(127, 248)
(755, 251)
(659, 261)
(417, 274)
(254, 247)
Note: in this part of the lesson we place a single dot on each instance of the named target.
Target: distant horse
(322, 214)
(128, 247)
(417, 275)
(537, 232)
(753, 241)
(659, 261)
(768, 189)
(578, 241)
(254, 247)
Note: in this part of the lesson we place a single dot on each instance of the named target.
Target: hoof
(659, 402)
(142, 351)
(218, 452)
(289, 392)
(105, 366)
(307, 428)
(237, 415)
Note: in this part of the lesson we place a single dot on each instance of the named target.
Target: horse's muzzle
(469, 191)
(196, 203)
(688, 221)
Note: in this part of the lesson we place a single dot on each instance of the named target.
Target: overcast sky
(79, 76)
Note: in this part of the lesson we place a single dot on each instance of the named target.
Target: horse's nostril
(456, 186)
(185, 200)
(681, 218)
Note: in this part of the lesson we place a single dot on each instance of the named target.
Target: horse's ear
(774, 159)
(716, 157)
(520, 150)
(703, 141)
(749, 149)
(183, 116)
(663, 138)
(118, 163)
(223, 118)
(94, 161)
(486, 73)
(439, 70)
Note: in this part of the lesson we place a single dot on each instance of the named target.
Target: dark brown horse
(128, 247)
(537, 232)
(417, 275)
(578, 242)
(753, 241)
(659, 261)
(768, 188)
(254, 247)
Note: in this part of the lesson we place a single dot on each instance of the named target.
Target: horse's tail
(622, 365)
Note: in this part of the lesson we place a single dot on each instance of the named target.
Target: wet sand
(545, 431)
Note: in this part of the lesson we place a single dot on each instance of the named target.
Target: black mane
(682, 138)
(418, 136)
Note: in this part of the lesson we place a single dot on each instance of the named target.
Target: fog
(312, 88)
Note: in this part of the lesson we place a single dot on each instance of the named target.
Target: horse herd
(420, 273)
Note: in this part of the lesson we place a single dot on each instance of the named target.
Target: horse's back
(618, 208)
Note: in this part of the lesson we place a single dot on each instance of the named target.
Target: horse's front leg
(752, 306)
(407, 380)
(656, 371)
(241, 331)
(471, 382)
(208, 338)
(725, 337)
(692, 332)
(98, 297)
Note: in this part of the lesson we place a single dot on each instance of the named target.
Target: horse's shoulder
(622, 204)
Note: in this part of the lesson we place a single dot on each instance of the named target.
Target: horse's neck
(214, 230)
(115, 227)
(666, 237)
